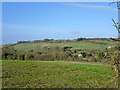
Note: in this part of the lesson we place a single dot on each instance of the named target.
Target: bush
(100, 55)
(79, 39)
(74, 51)
(20, 57)
(83, 54)
(66, 48)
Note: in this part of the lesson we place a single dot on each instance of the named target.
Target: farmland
(51, 74)
(75, 45)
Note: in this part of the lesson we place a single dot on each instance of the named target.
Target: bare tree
(115, 57)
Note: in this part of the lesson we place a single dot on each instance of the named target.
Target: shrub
(79, 39)
(66, 48)
(20, 57)
(83, 54)
(100, 55)
(74, 51)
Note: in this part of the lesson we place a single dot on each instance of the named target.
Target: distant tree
(45, 40)
(79, 39)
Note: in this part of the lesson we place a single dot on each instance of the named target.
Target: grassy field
(46, 74)
(75, 45)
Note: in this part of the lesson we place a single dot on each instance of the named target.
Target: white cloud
(94, 6)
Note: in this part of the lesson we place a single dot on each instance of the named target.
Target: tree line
(54, 53)
(60, 41)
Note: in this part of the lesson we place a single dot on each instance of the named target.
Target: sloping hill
(75, 45)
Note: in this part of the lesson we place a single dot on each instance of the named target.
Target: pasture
(75, 45)
(51, 74)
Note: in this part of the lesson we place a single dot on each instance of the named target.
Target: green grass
(45, 74)
(75, 45)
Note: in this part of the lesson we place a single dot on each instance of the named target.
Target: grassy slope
(44, 74)
(75, 45)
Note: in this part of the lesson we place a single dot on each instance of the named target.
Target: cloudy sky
(37, 21)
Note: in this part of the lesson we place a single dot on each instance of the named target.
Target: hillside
(52, 50)
(89, 44)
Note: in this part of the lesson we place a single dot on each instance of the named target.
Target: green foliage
(52, 54)
(90, 53)
(7, 52)
(106, 50)
(83, 54)
(20, 57)
(115, 57)
(100, 55)
(66, 48)
(74, 51)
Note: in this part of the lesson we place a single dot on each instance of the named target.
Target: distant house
(110, 47)
(79, 55)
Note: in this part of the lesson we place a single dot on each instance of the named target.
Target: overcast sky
(37, 21)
